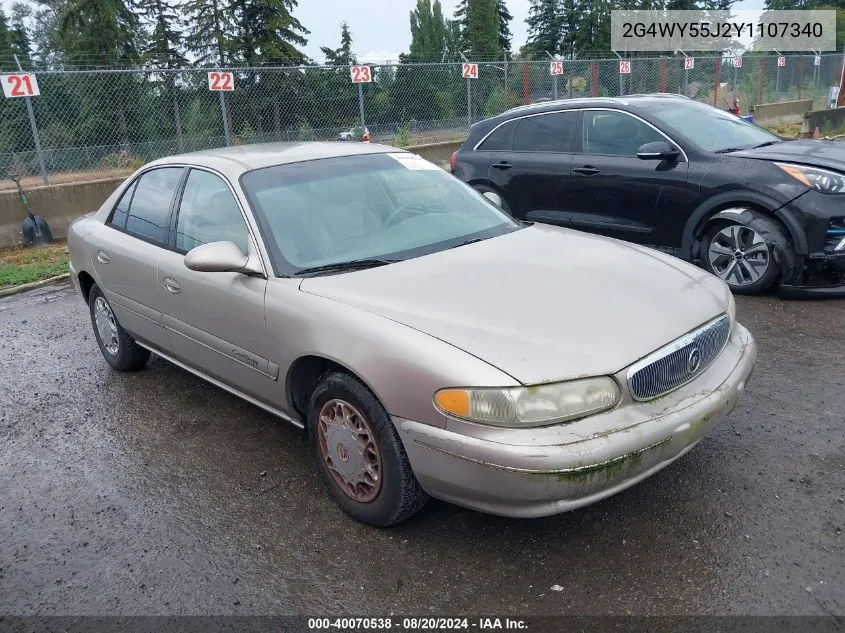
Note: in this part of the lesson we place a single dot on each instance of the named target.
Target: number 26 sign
(22, 85)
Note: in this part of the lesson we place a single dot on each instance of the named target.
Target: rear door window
(121, 209)
(149, 213)
(553, 132)
(499, 139)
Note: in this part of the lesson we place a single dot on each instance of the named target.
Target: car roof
(583, 102)
(248, 157)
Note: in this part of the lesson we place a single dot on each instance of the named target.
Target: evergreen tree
(341, 56)
(164, 47)
(268, 31)
(99, 31)
(545, 27)
(44, 33)
(7, 60)
(480, 28)
(505, 18)
(19, 34)
(429, 32)
(212, 30)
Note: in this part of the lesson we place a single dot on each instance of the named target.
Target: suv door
(617, 193)
(216, 320)
(128, 248)
(532, 167)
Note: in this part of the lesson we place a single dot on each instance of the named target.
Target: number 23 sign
(361, 74)
(22, 85)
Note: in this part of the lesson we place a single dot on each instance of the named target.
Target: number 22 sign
(23, 85)
(221, 81)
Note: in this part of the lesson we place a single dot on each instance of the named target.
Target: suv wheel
(743, 255)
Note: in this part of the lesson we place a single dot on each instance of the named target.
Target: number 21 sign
(22, 85)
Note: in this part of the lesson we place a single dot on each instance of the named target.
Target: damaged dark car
(759, 211)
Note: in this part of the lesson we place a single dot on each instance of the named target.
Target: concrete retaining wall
(60, 204)
(782, 113)
(828, 121)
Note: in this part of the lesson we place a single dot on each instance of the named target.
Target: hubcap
(106, 325)
(738, 255)
(349, 450)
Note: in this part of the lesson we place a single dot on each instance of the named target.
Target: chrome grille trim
(675, 364)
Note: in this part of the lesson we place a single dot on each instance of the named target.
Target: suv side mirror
(216, 257)
(657, 150)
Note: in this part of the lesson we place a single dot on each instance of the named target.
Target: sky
(381, 29)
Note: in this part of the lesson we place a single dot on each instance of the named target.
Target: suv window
(209, 212)
(150, 208)
(615, 133)
(121, 209)
(500, 139)
(553, 132)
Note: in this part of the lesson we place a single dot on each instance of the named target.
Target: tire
(746, 255)
(482, 189)
(342, 414)
(120, 350)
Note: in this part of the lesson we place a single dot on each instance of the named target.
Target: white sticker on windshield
(414, 162)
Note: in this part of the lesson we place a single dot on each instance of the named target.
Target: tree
(212, 30)
(479, 27)
(19, 34)
(268, 31)
(545, 27)
(102, 30)
(505, 18)
(340, 56)
(163, 50)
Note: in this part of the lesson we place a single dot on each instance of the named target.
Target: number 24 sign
(22, 85)
(221, 81)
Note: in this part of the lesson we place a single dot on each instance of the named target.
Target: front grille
(835, 237)
(679, 362)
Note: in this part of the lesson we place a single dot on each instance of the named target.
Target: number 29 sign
(21, 85)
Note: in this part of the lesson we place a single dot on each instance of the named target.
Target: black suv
(674, 174)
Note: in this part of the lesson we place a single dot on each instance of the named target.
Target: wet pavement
(156, 493)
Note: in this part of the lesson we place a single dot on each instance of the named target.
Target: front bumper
(518, 473)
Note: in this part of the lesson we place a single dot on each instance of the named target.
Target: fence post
(762, 82)
(38, 151)
(361, 106)
(226, 131)
(594, 79)
(777, 82)
(663, 77)
(469, 103)
(717, 75)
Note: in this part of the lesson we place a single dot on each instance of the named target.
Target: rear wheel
(484, 189)
(118, 348)
(359, 453)
(743, 255)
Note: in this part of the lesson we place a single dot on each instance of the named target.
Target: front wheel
(359, 453)
(743, 255)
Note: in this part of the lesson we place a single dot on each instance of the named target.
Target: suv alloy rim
(738, 255)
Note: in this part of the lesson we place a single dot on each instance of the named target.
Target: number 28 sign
(221, 81)
(22, 85)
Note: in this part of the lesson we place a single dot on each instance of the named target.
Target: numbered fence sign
(221, 81)
(361, 74)
(737, 62)
(556, 68)
(817, 61)
(781, 61)
(23, 85)
(624, 66)
(470, 71)
(689, 63)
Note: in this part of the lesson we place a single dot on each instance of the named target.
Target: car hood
(542, 303)
(830, 154)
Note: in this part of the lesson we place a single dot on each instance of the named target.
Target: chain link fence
(98, 123)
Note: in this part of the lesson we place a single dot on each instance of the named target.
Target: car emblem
(693, 361)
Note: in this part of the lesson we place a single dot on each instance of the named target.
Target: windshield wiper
(355, 264)
(766, 144)
(728, 150)
(472, 241)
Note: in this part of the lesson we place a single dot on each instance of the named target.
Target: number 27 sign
(22, 85)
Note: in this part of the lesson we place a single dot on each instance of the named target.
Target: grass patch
(19, 265)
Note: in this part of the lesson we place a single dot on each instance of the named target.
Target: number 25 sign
(221, 81)
(23, 85)
(361, 74)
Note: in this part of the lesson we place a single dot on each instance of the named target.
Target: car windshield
(372, 208)
(707, 127)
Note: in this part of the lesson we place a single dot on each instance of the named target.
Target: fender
(736, 199)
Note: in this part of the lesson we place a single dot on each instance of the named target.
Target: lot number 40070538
(21, 85)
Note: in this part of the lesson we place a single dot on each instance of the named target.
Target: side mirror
(657, 150)
(216, 257)
(494, 197)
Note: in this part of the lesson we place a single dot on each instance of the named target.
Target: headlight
(732, 310)
(819, 179)
(522, 407)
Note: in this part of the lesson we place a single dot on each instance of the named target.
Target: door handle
(502, 165)
(587, 170)
(103, 257)
(171, 285)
